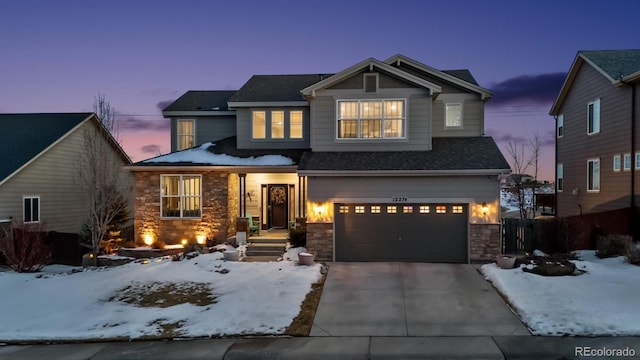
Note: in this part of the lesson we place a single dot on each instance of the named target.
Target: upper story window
(627, 162)
(453, 116)
(593, 175)
(593, 117)
(181, 196)
(371, 119)
(295, 124)
(560, 177)
(259, 124)
(638, 161)
(31, 209)
(616, 163)
(277, 124)
(186, 134)
(560, 126)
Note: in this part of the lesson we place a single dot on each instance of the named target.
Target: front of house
(385, 161)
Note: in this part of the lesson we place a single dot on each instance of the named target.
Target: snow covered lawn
(603, 301)
(235, 298)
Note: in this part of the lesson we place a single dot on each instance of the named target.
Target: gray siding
(472, 115)
(418, 117)
(51, 176)
(207, 129)
(576, 147)
(244, 130)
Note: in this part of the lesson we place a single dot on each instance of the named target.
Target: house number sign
(399, 199)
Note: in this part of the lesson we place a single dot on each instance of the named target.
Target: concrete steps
(266, 246)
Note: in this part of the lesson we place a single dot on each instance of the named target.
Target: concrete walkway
(411, 299)
(480, 347)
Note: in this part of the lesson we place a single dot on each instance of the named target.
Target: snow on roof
(201, 155)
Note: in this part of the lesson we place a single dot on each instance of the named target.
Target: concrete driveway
(411, 299)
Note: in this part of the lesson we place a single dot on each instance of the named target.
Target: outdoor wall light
(200, 238)
(183, 242)
(319, 209)
(485, 208)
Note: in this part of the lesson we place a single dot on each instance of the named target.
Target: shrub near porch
(214, 223)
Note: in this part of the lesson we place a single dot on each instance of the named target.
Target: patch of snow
(36, 307)
(201, 155)
(292, 253)
(537, 252)
(603, 301)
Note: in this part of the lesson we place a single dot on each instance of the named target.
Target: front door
(278, 200)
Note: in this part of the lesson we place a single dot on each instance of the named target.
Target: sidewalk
(473, 347)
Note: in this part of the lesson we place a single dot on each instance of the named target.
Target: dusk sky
(56, 56)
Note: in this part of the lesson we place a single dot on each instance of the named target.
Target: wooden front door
(278, 200)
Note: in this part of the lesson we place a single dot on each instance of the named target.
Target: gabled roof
(202, 100)
(369, 63)
(231, 156)
(617, 66)
(24, 137)
(448, 154)
(274, 88)
(462, 78)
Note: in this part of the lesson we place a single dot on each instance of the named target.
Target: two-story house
(597, 149)
(386, 160)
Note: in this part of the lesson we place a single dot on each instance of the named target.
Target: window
(616, 162)
(407, 209)
(593, 175)
(344, 209)
(186, 134)
(441, 209)
(359, 209)
(560, 126)
(627, 162)
(593, 117)
(560, 177)
(392, 209)
(375, 209)
(277, 124)
(456, 209)
(453, 117)
(181, 196)
(371, 119)
(295, 124)
(424, 209)
(31, 209)
(638, 161)
(259, 124)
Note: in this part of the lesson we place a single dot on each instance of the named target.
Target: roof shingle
(268, 88)
(202, 100)
(616, 63)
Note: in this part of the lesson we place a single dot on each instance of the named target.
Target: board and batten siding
(417, 112)
(576, 147)
(51, 177)
(472, 115)
(207, 129)
(244, 129)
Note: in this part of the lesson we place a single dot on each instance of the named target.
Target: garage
(401, 232)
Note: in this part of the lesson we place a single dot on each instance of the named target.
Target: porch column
(242, 199)
(302, 196)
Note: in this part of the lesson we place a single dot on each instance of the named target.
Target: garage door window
(375, 209)
(407, 209)
(441, 209)
(391, 209)
(424, 209)
(359, 209)
(456, 209)
(344, 209)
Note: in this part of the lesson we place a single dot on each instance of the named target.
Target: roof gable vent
(370, 83)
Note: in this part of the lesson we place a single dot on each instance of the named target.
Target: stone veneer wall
(233, 202)
(215, 215)
(485, 242)
(320, 240)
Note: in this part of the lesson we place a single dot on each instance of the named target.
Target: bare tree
(100, 174)
(535, 145)
(520, 163)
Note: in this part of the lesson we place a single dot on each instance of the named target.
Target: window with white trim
(559, 177)
(259, 124)
(593, 175)
(616, 163)
(593, 117)
(453, 115)
(277, 124)
(31, 209)
(627, 162)
(371, 119)
(181, 196)
(560, 126)
(295, 124)
(186, 134)
(638, 161)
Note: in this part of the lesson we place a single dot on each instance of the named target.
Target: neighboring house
(386, 160)
(597, 145)
(39, 155)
